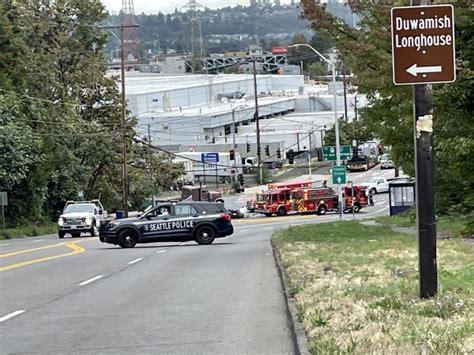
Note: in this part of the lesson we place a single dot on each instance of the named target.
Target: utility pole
(233, 133)
(152, 172)
(425, 204)
(259, 153)
(123, 111)
(123, 126)
(345, 90)
(336, 119)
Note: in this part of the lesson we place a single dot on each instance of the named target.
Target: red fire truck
(322, 200)
(276, 198)
(274, 201)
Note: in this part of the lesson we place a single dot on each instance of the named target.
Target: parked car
(81, 217)
(236, 210)
(386, 162)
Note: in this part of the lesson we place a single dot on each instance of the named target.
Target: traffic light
(259, 150)
(232, 154)
(291, 157)
(267, 150)
(320, 154)
(278, 153)
(248, 147)
(241, 180)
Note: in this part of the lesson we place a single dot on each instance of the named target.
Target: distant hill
(225, 29)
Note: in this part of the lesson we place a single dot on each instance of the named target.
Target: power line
(176, 155)
(54, 102)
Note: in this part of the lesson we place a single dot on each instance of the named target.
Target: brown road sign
(423, 45)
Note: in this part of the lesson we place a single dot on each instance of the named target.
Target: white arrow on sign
(339, 180)
(415, 69)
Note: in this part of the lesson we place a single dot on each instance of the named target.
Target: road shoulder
(298, 333)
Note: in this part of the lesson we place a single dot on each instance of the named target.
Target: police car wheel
(373, 191)
(127, 238)
(205, 235)
(61, 235)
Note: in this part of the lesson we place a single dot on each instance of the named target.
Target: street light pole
(336, 120)
(338, 149)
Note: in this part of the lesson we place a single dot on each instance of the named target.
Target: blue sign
(210, 157)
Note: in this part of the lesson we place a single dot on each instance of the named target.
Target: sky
(166, 6)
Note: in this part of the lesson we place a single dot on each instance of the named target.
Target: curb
(298, 334)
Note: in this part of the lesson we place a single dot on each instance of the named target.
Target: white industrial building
(192, 110)
(154, 93)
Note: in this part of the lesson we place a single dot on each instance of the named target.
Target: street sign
(210, 157)
(423, 45)
(338, 174)
(329, 153)
(3, 199)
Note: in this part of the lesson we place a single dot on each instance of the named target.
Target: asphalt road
(82, 296)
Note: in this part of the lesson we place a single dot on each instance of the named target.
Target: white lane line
(4, 245)
(379, 203)
(11, 315)
(91, 280)
(37, 241)
(160, 251)
(134, 261)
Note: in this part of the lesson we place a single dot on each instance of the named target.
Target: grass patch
(356, 290)
(452, 226)
(29, 231)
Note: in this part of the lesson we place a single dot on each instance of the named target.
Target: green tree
(389, 114)
(152, 172)
(348, 132)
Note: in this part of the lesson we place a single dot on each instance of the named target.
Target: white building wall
(198, 92)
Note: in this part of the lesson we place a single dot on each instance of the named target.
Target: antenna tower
(196, 33)
(131, 41)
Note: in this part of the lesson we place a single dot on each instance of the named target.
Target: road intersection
(82, 296)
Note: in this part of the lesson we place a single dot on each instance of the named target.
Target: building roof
(145, 84)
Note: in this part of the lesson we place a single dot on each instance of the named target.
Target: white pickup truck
(376, 185)
(81, 217)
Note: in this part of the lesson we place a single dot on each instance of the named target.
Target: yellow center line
(23, 251)
(76, 249)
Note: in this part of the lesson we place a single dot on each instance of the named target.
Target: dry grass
(356, 290)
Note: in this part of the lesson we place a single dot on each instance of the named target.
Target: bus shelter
(401, 196)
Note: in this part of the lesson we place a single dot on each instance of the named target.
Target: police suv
(170, 222)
